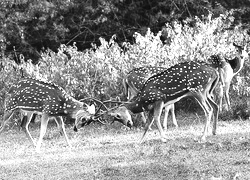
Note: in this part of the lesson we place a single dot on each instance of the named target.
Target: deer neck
(135, 107)
(71, 107)
(223, 63)
(240, 64)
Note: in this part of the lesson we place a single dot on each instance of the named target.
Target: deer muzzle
(123, 116)
(82, 118)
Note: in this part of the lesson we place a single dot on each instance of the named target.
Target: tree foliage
(29, 26)
(99, 70)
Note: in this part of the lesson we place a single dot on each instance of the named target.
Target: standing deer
(135, 80)
(231, 67)
(194, 79)
(32, 96)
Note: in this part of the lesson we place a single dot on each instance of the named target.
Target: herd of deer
(148, 89)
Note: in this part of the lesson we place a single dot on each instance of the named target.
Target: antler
(96, 119)
(96, 100)
(96, 116)
(118, 102)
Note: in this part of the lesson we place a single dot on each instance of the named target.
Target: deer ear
(91, 109)
(234, 44)
(237, 46)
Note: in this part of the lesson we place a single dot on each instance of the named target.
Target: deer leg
(29, 117)
(202, 99)
(220, 97)
(216, 114)
(44, 123)
(167, 109)
(144, 120)
(62, 129)
(59, 125)
(172, 109)
(148, 124)
(157, 115)
(143, 117)
(6, 118)
(208, 119)
(23, 121)
(227, 98)
(129, 95)
(165, 118)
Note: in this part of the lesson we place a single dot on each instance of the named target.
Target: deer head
(242, 51)
(84, 117)
(121, 115)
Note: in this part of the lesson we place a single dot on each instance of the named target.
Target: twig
(198, 117)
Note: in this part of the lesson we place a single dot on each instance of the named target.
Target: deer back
(177, 81)
(138, 76)
(43, 97)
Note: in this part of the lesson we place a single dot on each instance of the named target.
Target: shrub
(98, 71)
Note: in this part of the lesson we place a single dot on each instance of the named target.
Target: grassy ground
(102, 152)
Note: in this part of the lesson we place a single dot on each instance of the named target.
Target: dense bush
(98, 71)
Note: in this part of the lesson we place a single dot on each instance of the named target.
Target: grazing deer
(195, 79)
(231, 67)
(38, 97)
(135, 80)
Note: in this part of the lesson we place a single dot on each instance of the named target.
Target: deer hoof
(164, 139)
(203, 139)
(214, 132)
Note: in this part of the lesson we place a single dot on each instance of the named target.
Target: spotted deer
(195, 79)
(230, 68)
(135, 80)
(32, 96)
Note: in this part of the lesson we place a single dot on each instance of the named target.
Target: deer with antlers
(123, 117)
(195, 79)
(32, 96)
(135, 80)
(230, 68)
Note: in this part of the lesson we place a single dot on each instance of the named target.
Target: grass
(113, 152)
